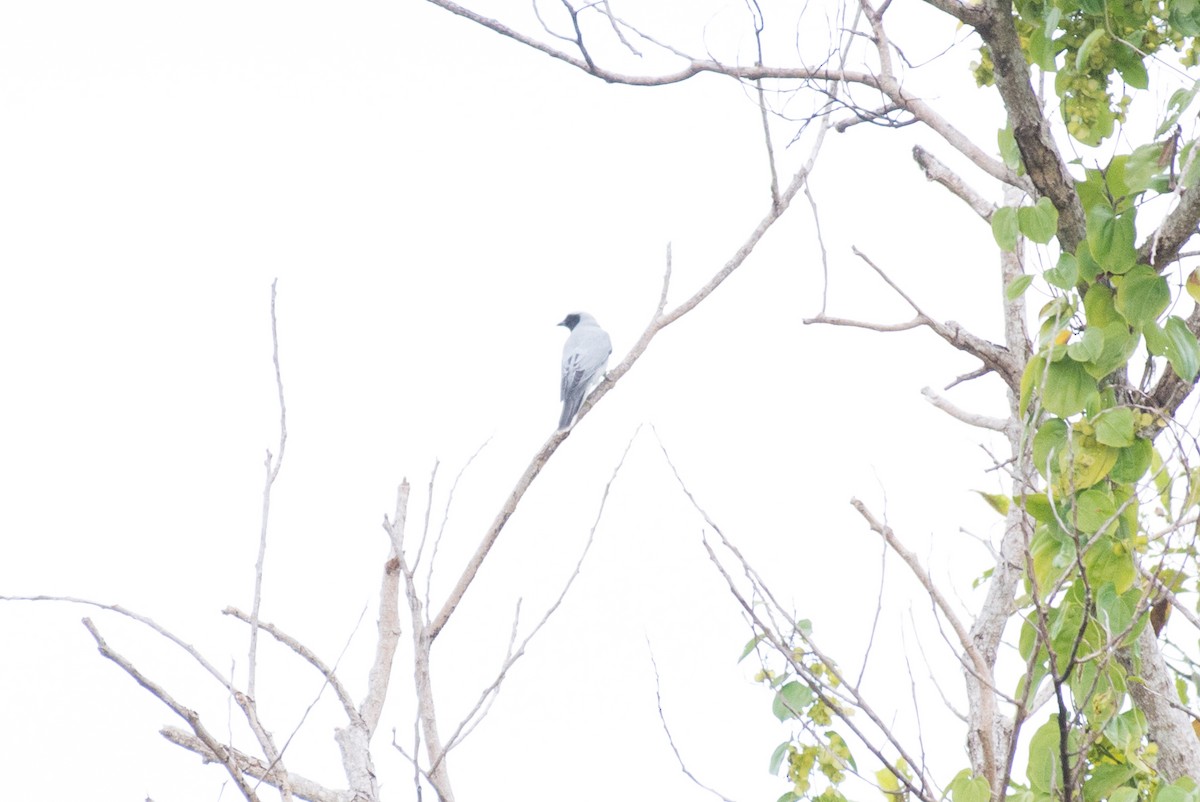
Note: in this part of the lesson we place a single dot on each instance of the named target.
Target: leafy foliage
(1092, 47)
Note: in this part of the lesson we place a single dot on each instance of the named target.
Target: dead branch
(302, 787)
(389, 616)
(995, 357)
(670, 740)
(273, 465)
(936, 171)
(888, 84)
(969, 418)
(141, 619)
(304, 652)
(220, 753)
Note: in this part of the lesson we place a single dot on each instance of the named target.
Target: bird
(585, 356)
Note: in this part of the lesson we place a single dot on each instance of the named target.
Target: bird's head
(575, 318)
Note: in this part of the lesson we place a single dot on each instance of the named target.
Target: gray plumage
(585, 356)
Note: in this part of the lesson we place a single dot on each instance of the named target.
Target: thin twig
(273, 465)
(670, 740)
(468, 721)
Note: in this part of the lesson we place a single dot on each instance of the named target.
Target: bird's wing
(585, 354)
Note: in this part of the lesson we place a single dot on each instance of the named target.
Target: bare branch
(141, 619)
(969, 418)
(389, 616)
(273, 465)
(968, 376)
(670, 740)
(994, 357)
(302, 787)
(915, 323)
(936, 171)
(437, 541)
(304, 652)
(220, 753)
(888, 85)
(812, 203)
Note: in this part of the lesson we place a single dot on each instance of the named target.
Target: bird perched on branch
(585, 356)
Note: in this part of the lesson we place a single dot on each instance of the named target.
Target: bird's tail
(570, 408)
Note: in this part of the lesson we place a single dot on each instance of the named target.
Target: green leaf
(1065, 274)
(1105, 780)
(1016, 288)
(1092, 190)
(1027, 640)
(1034, 369)
(996, 501)
(1083, 463)
(1116, 566)
(1193, 490)
(1119, 345)
(1180, 100)
(1068, 388)
(778, 755)
(1044, 769)
(1089, 268)
(1142, 166)
(1052, 553)
(1038, 507)
(1133, 71)
(1008, 148)
(1193, 285)
(1114, 427)
(1173, 792)
(1098, 306)
(1038, 222)
(974, 789)
(887, 783)
(1005, 228)
(1085, 49)
(1126, 732)
(791, 700)
(1142, 295)
(1110, 238)
(1114, 179)
(1133, 462)
(1183, 352)
(1124, 794)
(1162, 480)
(1093, 509)
(1089, 347)
(1050, 436)
(750, 644)
(1156, 339)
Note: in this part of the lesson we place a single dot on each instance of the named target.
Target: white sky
(433, 199)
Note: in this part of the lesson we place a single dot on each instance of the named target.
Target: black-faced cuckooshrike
(585, 356)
